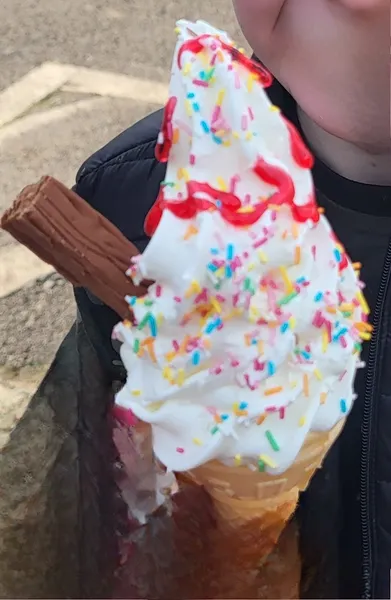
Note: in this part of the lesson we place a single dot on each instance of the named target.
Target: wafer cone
(242, 494)
(252, 509)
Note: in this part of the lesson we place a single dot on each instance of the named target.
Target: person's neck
(371, 166)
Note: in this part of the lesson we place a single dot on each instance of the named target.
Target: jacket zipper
(366, 487)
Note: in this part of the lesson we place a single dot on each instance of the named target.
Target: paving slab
(58, 142)
(19, 266)
(134, 37)
(32, 88)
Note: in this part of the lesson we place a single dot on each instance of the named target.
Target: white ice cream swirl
(251, 336)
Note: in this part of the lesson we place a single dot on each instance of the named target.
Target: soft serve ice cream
(251, 336)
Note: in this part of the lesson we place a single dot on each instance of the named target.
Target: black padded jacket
(345, 515)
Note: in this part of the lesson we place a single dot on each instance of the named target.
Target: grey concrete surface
(59, 147)
(33, 322)
(134, 37)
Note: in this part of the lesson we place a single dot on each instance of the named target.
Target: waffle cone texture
(241, 495)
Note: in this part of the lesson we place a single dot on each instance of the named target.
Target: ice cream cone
(241, 495)
(252, 509)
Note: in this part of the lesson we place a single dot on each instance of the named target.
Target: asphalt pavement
(133, 37)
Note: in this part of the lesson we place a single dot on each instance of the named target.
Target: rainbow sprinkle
(344, 407)
(242, 288)
(272, 441)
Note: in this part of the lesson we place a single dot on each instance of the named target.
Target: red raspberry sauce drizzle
(301, 154)
(166, 137)
(197, 45)
(229, 205)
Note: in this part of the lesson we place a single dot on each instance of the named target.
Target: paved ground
(125, 36)
(111, 65)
